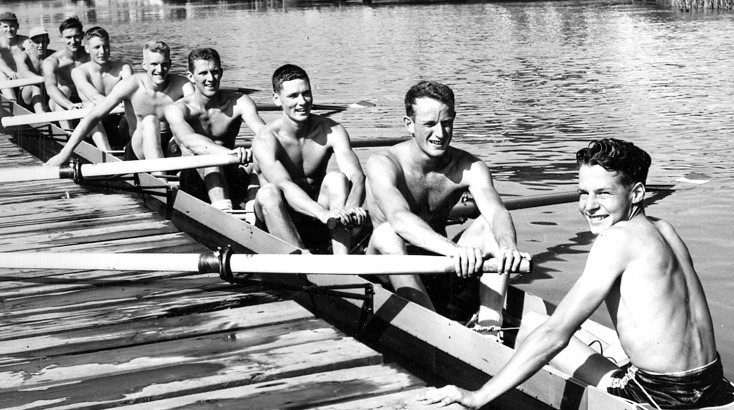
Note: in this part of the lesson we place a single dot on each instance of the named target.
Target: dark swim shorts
(701, 387)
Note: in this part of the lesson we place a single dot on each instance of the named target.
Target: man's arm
(248, 112)
(348, 164)
(606, 262)
(122, 91)
(265, 148)
(490, 206)
(49, 67)
(21, 63)
(84, 86)
(177, 118)
(7, 70)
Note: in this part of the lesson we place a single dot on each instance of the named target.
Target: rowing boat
(417, 337)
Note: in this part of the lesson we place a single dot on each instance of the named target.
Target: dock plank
(404, 400)
(183, 367)
(315, 390)
(149, 331)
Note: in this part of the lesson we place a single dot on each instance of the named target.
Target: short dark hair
(204, 53)
(71, 22)
(157, 46)
(96, 31)
(630, 162)
(288, 72)
(428, 89)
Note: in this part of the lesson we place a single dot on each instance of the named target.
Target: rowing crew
(638, 265)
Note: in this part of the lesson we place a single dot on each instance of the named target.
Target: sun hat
(8, 16)
(37, 31)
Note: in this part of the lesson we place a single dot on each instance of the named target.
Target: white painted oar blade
(21, 82)
(67, 115)
(21, 174)
(180, 262)
(157, 165)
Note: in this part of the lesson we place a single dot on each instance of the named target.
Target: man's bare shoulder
(269, 131)
(55, 57)
(230, 98)
(386, 160)
(460, 156)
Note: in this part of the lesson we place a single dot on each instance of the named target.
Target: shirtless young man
(207, 121)
(412, 187)
(292, 153)
(11, 44)
(57, 69)
(29, 64)
(145, 96)
(642, 269)
(96, 78)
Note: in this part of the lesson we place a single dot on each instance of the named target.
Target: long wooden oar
(21, 82)
(467, 208)
(321, 107)
(356, 142)
(212, 262)
(39, 173)
(66, 115)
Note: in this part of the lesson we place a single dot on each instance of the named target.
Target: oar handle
(492, 265)
(332, 223)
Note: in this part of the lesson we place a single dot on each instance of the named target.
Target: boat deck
(82, 339)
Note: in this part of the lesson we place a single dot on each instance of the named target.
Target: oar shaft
(21, 82)
(101, 261)
(157, 165)
(243, 264)
(356, 142)
(66, 115)
(22, 174)
(468, 208)
(40, 173)
(354, 264)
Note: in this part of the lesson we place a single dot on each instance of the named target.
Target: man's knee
(269, 196)
(386, 241)
(336, 181)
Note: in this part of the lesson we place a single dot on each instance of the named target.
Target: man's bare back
(658, 298)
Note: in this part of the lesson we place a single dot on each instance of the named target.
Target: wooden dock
(98, 339)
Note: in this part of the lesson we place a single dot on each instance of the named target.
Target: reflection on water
(533, 81)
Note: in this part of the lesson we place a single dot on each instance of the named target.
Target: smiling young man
(145, 96)
(207, 122)
(96, 78)
(642, 269)
(297, 195)
(412, 187)
(11, 44)
(29, 65)
(57, 69)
